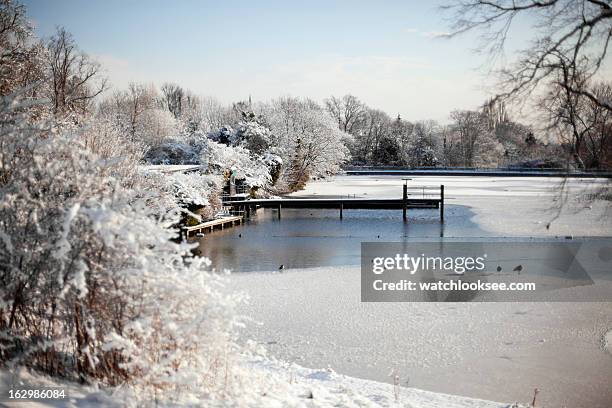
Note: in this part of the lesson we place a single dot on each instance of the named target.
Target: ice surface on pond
(495, 351)
(476, 207)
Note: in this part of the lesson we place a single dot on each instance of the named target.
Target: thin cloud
(436, 34)
(427, 34)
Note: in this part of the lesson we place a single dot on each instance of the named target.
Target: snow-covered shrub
(91, 284)
(172, 152)
(224, 135)
(275, 165)
(183, 195)
(253, 136)
(250, 134)
(421, 155)
(194, 188)
(105, 139)
(250, 167)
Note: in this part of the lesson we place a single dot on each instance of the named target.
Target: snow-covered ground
(495, 351)
(277, 385)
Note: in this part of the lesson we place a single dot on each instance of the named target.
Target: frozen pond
(476, 207)
(498, 351)
(312, 238)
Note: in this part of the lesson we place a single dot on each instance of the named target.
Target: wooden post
(535, 394)
(442, 203)
(341, 208)
(405, 201)
(279, 211)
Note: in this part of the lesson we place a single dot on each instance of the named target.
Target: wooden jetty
(211, 225)
(404, 203)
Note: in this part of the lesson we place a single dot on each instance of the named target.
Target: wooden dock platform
(435, 201)
(210, 225)
(347, 203)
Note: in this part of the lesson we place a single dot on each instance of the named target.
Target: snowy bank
(279, 385)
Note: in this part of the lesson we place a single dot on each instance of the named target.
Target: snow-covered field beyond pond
(494, 351)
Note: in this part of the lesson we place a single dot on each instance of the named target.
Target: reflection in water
(312, 238)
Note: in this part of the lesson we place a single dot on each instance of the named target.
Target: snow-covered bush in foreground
(91, 285)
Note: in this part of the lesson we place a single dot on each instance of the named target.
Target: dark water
(312, 238)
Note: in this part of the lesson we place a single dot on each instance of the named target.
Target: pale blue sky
(384, 52)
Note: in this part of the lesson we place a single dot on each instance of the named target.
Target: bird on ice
(499, 268)
(518, 269)
(280, 268)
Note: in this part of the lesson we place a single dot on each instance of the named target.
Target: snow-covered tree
(401, 131)
(21, 56)
(298, 172)
(213, 115)
(423, 144)
(307, 137)
(475, 142)
(348, 111)
(374, 127)
(254, 136)
(74, 79)
(91, 284)
(139, 115)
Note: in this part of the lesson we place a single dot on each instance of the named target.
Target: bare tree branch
(577, 30)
